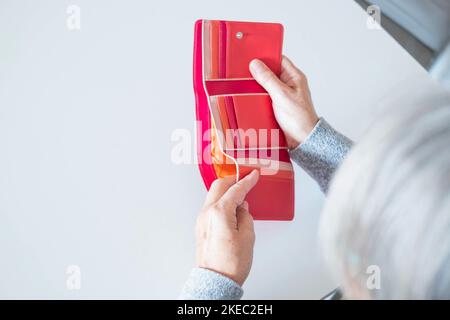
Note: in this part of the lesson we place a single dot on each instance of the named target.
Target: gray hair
(389, 207)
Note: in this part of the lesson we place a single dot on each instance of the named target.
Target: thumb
(265, 77)
(234, 196)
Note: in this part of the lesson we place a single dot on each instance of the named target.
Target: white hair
(389, 207)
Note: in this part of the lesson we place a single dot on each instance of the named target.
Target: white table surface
(86, 118)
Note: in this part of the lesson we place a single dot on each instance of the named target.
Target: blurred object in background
(422, 28)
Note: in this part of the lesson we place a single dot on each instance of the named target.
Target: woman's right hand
(291, 99)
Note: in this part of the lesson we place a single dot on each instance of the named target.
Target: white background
(86, 119)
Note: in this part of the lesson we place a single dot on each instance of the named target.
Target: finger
(218, 188)
(235, 195)
(290, 74)
(244, 219)
(265, 77)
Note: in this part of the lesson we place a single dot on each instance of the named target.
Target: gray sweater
(319, 155)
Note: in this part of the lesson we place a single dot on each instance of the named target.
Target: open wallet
(236, 128)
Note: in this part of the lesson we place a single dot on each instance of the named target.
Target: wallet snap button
(239, 35)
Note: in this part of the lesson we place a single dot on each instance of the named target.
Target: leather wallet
(236, 129)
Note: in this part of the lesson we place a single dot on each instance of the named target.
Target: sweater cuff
(321, 153)
(204, 284)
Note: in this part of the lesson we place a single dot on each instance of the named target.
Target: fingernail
(256, 66)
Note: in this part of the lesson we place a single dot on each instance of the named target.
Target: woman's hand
(291, 99)
(224, 230)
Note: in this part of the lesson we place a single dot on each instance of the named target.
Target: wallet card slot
(233, 87)
(222, 111)
(228, 120)
(222, 49)
(276, 169)
(256, 122)
(247, 122)
(263, 154)
(272, 197)
(232, 120)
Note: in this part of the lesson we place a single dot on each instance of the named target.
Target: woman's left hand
(224, 230)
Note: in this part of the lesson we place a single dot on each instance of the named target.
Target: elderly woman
(387, 212)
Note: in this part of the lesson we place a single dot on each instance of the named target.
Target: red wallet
(236, 129)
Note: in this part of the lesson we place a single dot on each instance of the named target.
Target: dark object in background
(422, 28)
